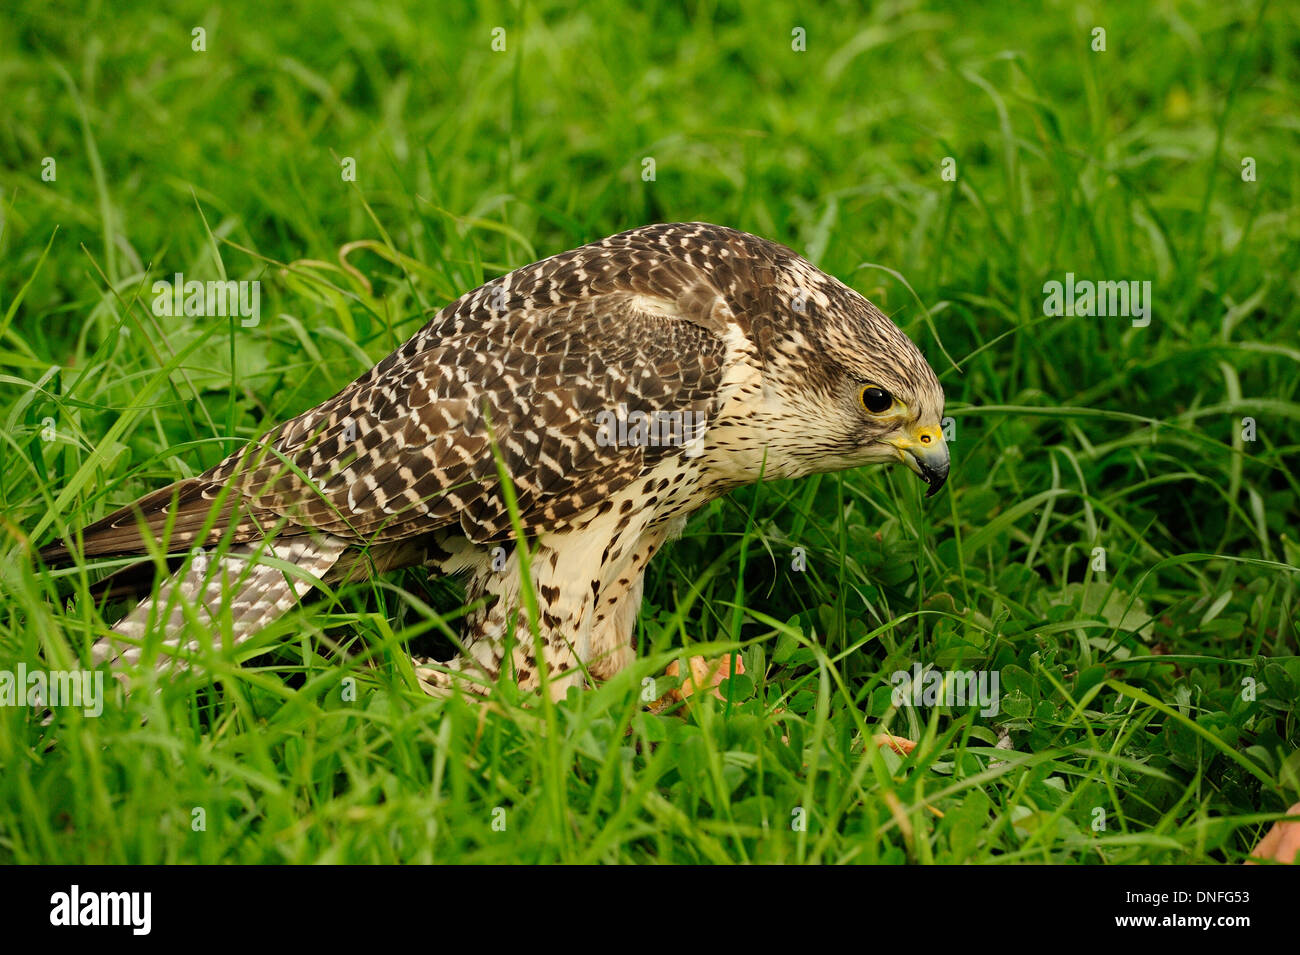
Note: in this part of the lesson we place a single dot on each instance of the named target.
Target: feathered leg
(588, 587)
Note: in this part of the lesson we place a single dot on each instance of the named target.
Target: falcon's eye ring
(876, 400)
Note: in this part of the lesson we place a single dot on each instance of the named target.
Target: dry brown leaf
(704, 673)
(1281, 843)
(899, 744)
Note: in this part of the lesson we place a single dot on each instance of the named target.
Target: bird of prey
(618, 387)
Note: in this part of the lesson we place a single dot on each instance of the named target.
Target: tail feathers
(237, 583)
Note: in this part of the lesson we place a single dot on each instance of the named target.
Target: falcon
(558, 424)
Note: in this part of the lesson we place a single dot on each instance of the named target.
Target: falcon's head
(850, 386)
(842, 386)
(889, 401)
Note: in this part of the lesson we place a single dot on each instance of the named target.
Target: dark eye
(876, 400)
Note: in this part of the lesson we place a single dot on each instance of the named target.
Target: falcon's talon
(790, 371)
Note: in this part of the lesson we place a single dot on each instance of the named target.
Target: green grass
(1122, 690)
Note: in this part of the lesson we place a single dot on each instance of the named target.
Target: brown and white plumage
(398, 468)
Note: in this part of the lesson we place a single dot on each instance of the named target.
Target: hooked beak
(926, 453)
